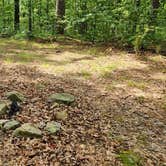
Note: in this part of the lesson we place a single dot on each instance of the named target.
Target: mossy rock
(53, 127)
(11, 125)
(15, 96)
(62, 98)
(3, 108)
(28, 130)
(2, 122)
(129, 158)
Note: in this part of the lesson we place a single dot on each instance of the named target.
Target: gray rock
(53, 127)
(11, 125)
(28, 130)
(3, 108)
(64, 98)
(15, 96)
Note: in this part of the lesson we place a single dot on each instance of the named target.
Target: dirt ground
(119, 114)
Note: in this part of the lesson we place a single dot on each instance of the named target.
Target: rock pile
(28, 129)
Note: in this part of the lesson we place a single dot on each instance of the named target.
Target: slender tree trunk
(83, 25)
(39, 15)
(30, 16)
(60, 13)
(47, 13)
(155, 6)
(137, 12)
(4, 21)
(16, 15)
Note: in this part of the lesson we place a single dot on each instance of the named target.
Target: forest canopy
(134, 23)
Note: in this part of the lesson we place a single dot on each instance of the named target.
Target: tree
(60, 13)
(30, 17)
(155, 6)
(16, 15)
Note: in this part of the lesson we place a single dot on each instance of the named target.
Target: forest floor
(119, 114)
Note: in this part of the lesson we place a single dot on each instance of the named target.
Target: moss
(129, 158)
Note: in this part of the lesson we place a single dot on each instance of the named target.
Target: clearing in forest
(117, 118)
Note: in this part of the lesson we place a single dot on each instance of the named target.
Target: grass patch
(85, 74)
(140, 99)
(46, 65)
(139, 85)
(8, 60)
(110, 87)
(156, 58)
(107, 70)
(164, 106)
(129, 158)
(164, 103)
(142, 138)
(22, 57)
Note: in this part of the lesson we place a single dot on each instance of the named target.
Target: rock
(2, 122)
(53, 127)
(3, 108)
(15, 96)
(154, 147)
(61, 115)
(28, 130)
(11, 125)
(2, 86)
(54, 105)
(64, 98)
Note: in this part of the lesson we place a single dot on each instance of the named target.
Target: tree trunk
(83, 25)
(60, 13)
(3, 11)
(155, 6)
(30, 16)
(16, 15)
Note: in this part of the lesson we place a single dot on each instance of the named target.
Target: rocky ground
(117, 118)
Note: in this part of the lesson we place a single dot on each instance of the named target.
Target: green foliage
(126, 23)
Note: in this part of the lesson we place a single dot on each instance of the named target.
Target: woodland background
(132, 23)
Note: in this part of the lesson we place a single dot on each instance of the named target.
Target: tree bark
(60, 13)
(155, 6)
(30, 16)
(83, 25)
(16, 15)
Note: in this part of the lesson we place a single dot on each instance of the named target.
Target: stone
(2, 86)
(62, 98)
(11, 125)
(53, 127)
(61, 115)
(28, 130)
(15, 96)
(2, 122)
(3, 108)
